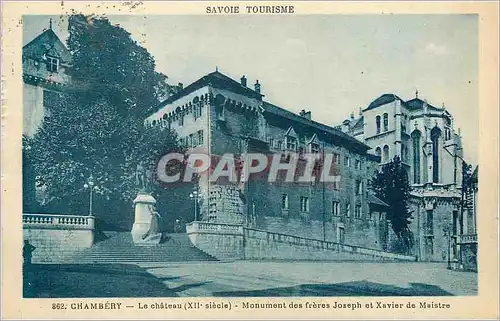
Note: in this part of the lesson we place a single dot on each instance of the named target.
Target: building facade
(218, 115)
(425, 139)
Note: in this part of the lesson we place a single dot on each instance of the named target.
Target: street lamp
(194, 196)
(92, 187)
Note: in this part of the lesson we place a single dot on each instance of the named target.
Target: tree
(97, 127)
(391, 185)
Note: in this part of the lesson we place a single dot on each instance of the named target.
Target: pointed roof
(218, 80)
(47, 43)
(291, 132)
(314, 139)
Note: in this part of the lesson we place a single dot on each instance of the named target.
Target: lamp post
(91, 186)
(194, 196)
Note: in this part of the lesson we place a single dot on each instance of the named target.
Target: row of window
(384, 157)
(304, 207)
(193, 140)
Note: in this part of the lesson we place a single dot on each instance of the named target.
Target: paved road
(247, 278)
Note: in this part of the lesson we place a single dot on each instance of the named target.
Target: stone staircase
(118, 247)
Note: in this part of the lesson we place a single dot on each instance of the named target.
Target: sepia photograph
(246, 152)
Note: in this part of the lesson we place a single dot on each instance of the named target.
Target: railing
(58, 221)
(471, 238)
(213, 228)
(303, 241)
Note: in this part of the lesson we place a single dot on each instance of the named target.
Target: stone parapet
(58, 221)
(56, 236)
(236, 242)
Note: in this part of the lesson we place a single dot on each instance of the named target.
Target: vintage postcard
(249, 160)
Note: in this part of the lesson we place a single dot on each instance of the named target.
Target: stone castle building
(219, 115)
(45, 63)
(425, 139)
(227, 116)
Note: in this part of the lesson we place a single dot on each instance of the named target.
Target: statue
(143, 177)
(154, 226)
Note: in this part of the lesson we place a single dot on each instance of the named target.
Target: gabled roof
(291, 132)
(314, 139)
(217, 80)
(382, 100)
(47, 43)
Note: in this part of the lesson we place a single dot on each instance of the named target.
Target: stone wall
(236, 242)
(56, 236)
(222, 241)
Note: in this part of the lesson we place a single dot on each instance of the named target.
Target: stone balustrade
(214, 228)
(471, 238)
(58, 221)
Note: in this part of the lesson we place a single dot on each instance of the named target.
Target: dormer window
(291, 143)
(52, 64)
(313, 145)
(291, 140)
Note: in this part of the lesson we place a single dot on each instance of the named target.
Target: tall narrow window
(386, 154)
(304, 204)
(386, 122)
(335, 208)
(200, 137)
(378, 152)
(430, 222)
(377, 120)
(416, 157)
(284, 201)
(435, 134)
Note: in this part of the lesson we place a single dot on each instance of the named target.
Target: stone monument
(145, 230)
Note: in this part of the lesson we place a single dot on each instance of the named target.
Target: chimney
(257, 86)
(360, 111)
(243, 81)
(180, 86)
(352, 115)
(305, 114)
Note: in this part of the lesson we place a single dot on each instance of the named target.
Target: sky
(330, 64)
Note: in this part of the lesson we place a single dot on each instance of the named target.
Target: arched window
(378, 152)
(435, 134)
(416, 156)
(386, 122)
(377, 120)
(386, 154)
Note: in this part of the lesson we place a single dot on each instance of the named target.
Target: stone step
(118, 247)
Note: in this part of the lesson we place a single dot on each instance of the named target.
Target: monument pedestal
(142, 224)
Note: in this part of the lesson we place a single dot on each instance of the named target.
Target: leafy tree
(391, 185)
(97, 127)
